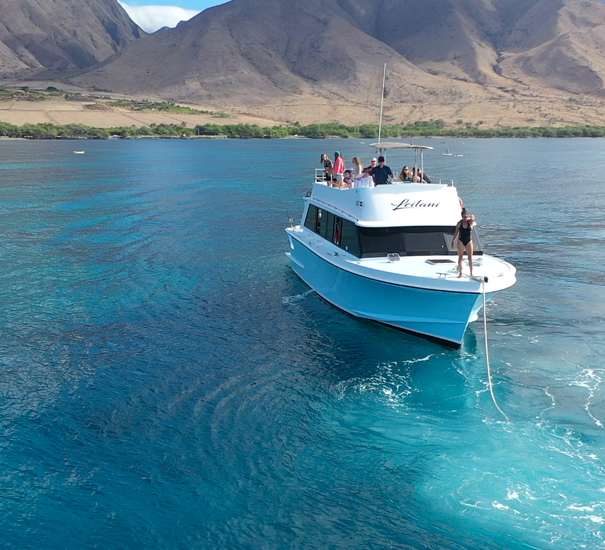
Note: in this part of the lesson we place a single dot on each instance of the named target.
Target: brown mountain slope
(60, 35)
(312, 60)
(572, 58)
(252, 52)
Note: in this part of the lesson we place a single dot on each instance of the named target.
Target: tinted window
(311, 220)
(327, 225)
(348, 239)
(335, 229)
(409, 241)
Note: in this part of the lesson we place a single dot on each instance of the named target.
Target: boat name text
(406, 203)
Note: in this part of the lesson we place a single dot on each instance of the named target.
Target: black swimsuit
(465, 233)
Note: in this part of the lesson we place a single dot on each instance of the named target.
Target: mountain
(323, 53)
(550, 43)
(251, 52)
(491, 61)
(60, 35)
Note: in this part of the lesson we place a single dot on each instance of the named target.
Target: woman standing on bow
(464, 235)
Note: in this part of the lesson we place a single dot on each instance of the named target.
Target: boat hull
(434, 314)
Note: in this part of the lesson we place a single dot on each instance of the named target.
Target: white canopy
(398, 145)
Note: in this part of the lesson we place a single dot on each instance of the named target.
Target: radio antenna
(384, 77)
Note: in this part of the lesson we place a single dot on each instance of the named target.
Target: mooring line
(489, 370)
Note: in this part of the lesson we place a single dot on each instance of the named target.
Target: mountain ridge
(250, 52)
(38, 36)
(323, 59)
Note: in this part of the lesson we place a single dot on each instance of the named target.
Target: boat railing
(320, 175)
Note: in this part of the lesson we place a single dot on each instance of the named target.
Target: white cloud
(152, 18)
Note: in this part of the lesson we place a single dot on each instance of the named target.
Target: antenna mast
(384, 76)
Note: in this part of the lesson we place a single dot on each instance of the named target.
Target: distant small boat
(448, 154)
(79, 152)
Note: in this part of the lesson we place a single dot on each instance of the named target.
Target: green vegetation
(25, 94)
(421, 128)
(252, 131)
(165, 106)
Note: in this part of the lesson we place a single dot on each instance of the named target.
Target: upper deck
(397, 205)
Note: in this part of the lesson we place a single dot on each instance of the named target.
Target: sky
(154, 15)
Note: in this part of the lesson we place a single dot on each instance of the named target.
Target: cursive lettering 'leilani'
(406, 203)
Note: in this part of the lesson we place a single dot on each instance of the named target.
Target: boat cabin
(408, 219)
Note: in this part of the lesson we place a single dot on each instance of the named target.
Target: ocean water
(167, 382)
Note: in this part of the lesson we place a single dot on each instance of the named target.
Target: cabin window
(333, 228)
(327, 226)
(337, 235)
(409, 241)
(311, 219)
(348, 238)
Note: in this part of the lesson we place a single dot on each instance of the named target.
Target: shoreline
(79, 132)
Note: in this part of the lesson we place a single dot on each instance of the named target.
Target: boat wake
(296, 298)
(388, 383)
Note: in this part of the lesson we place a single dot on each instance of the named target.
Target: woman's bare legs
(469, 253)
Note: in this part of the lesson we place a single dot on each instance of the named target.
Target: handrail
(320, 175)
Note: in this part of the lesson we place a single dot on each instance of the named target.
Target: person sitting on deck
(405, 175)
(364, 179)
(423, 177)
(348, 179)
(381, 173)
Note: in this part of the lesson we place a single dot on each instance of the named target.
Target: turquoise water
(167, 382)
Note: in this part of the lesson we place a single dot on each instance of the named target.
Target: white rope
(489, 370)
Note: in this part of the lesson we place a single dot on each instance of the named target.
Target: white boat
(448, 154)
(385, 253)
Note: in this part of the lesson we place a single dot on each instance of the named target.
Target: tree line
(434, 128)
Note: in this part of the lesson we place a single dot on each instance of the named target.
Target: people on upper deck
(405, 174)
(415, 176)
(357, 167)
(381, 173)
(465, 239)
(348, 179)
(328, 167)
(364, 179)
(424, 178)
(339, 169)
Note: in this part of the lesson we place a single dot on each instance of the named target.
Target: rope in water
(489, 370)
